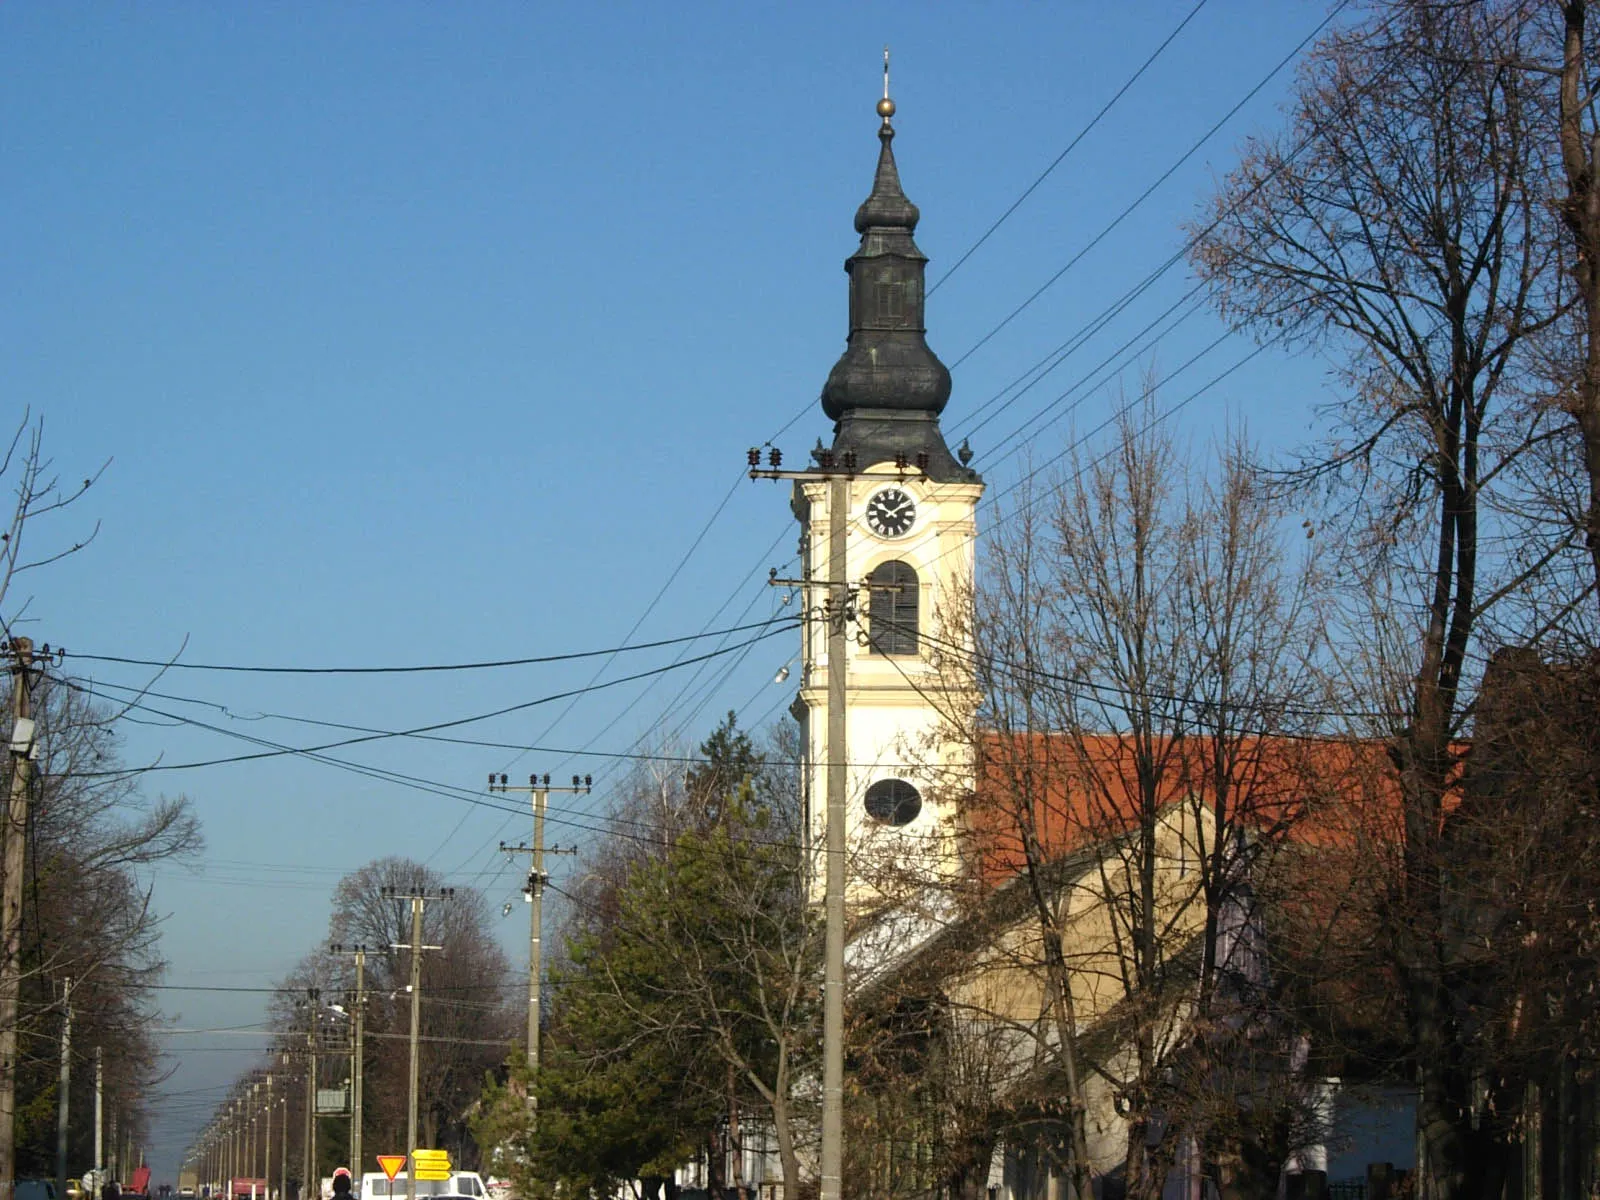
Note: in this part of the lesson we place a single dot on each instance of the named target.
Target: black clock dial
(891, 513)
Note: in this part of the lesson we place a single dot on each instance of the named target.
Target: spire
(886, 392)
(887, 207)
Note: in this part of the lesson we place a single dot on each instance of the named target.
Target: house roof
(1069, 791)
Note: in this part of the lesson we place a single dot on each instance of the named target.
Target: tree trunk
(970, 1181)
(1580, 211)
(717, 1163)
(783, 1126)
(735, 1142)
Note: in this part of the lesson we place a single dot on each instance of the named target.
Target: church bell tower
(907, 506)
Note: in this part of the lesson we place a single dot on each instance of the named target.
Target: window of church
(891, 296)
(893, 801)
(892, 609)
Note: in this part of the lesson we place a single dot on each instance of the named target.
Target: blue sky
(436, 333)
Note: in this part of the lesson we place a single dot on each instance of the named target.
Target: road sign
(432, 1164)
(391, 1164)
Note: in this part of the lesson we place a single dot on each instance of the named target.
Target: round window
(893, 801)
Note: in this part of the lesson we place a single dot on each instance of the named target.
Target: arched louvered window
(892, 611)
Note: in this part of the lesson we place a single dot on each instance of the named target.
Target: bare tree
(1578, 134)
(1397, 225)
(1143, 654)
(87, 837)
(468, 1000)
(40, 494)
(468, 1013)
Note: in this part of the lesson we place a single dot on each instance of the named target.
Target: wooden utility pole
(20, 653)
(537, 880)
(418, 899)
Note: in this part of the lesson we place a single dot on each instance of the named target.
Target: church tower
(908, 511)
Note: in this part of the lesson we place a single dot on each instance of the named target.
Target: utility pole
(64, 1088)
(310, 1166)
(537, 879)
(418, 899)
(250, 1143)
(23, 745)
(833, 903)
(266, 1144)
(838, 612)
(99, 1110)
(283, 1151)
(358, 1022)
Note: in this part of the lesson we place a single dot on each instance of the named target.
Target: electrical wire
(1071, 146)
(611, 652)
(1150, 190)
(420, 729)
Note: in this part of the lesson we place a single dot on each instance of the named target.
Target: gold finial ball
(886, 108)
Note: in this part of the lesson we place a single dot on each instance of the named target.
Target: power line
(170, 664)
(278, 751)
(567, 752)
(416, 783)
(1146, 194)
(1071, 146)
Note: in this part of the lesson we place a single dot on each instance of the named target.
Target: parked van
(377, 1186)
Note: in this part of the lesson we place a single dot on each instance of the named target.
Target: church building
(945, 934)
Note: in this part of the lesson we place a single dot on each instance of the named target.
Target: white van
(377, 1186)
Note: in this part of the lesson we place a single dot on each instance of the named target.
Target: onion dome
(887, 390)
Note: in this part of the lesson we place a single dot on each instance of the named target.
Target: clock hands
(891, 512)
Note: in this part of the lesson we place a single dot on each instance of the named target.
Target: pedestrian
(341, 1184)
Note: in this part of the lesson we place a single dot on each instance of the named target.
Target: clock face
(891, 513)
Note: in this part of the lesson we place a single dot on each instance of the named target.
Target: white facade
(906, 712)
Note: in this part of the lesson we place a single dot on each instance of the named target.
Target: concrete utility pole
(20, 652)
(839, 603)
(418, 899)
(99, 1110)
(64, 1088)
(266, 1143)
(283, 1151)
(311, 1185)
(250, 1140)
(839, 611)
(358, 1022)
(537, 879)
